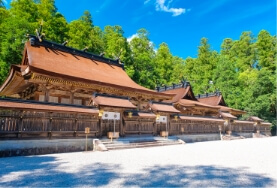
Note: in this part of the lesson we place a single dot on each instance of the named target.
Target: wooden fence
(44, 124)
(16, 123)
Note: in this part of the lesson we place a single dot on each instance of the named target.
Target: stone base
(11, 148)
(189, 138)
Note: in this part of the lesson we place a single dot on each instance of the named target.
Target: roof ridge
(206, 95)
(184, 84)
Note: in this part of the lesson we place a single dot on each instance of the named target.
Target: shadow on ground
(198, 176)
(45, 171)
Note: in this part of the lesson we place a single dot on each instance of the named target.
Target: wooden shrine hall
(58, 91)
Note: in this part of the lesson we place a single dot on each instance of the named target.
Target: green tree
(225, 75)
(79, 32)
(266, 46)
(263, 99)
(164, 64)
(4, 69)
(189, 72)
(243, 52)
(97, 40)
(83, 34)
(54, 24)
(22, 19)
(202, 68)
(178, 72)
(116, 45)
(142, 66)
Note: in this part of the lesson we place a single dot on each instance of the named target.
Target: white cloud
(146, 1)
(160, 6)
(131, 37)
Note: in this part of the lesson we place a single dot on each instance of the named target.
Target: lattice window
(65, 101)
(77, 101)
(41, 98)
(54, 99)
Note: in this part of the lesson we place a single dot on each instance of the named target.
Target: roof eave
(13, 69)
(63, 76)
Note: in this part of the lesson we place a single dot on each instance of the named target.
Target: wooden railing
(28, 123)
(138, 126)
(195, 127)
(245, 127)
(15, 123)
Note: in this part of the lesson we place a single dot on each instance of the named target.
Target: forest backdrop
(243, 70)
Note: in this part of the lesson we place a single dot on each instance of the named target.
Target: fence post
(50, 125)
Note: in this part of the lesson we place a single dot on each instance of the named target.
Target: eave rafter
(43, 79)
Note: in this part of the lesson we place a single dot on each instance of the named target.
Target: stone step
(115, 146)
(232, 137)
(260, 135)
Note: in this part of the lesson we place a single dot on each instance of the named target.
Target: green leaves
(266, 48)
(199, 71)
(142, 53)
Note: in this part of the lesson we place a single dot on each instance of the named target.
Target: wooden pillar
(71, 98)
(154, 132)
(75, 126)
(121, 123)
(139, 126)
(100, 127)
(20, 125)
(46, 95)
(168, 124)
(50, 126)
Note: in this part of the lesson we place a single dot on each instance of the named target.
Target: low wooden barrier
(30, 124)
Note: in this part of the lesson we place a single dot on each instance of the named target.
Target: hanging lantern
(158, 117)
(176, 117)
(226, 122)
(130, 114)
(101, 113)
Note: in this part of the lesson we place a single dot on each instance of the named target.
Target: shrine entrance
(139, 123)
(139, 126)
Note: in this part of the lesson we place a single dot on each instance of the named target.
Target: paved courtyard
(237, 163)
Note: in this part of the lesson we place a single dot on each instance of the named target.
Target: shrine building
(58, 91)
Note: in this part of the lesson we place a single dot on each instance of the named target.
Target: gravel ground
(236, 163)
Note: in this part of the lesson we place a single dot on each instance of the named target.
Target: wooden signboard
(87, 130)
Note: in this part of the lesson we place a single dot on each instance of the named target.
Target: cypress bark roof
(213, 100)
(56, 60)
(180, 93)
(190, 103)
(163, 107)
(113, 101)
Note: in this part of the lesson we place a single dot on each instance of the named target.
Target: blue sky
(179, 23)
